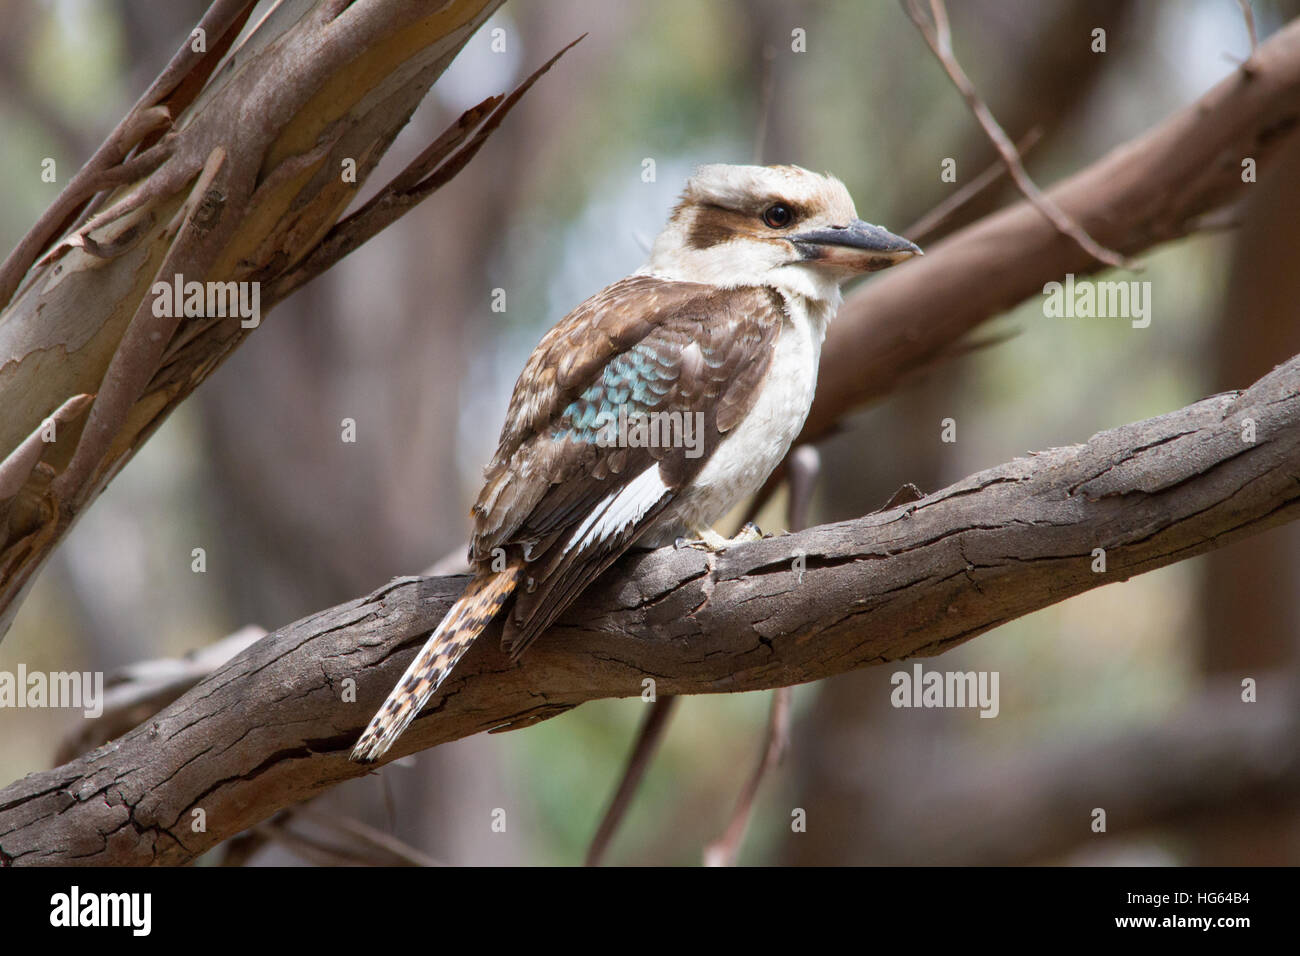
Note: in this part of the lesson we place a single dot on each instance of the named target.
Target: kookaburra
(719, 335)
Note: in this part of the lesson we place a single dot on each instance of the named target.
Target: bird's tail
(471, 613)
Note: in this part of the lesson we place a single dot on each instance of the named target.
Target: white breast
(750, 452)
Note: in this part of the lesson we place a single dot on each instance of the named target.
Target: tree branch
(1149, 190)
(200, 193)
(939, 38)
(1155, 188)
(1208, 759)
(273, 727)
(220, 24)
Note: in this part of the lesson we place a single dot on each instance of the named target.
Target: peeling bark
(226, 170)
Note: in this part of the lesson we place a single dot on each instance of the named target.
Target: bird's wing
(570, 505)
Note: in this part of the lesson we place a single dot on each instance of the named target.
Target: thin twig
(384, 848)
(427, 173)
(724, 850)
(765, 99)
(936, 216)
(648, 736)
(939, 38)
(1249, 15)
(313, 850)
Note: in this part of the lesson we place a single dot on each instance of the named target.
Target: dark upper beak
(859, 246)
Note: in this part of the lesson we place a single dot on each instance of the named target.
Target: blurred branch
(724, 850)
(1212, 757)
(370, 847)
(1248, 15)
(936, 216)
(273, 727)
(939, 37)
(1153, 189)
(648, 737)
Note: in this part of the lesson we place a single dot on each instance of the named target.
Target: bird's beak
(857, 247)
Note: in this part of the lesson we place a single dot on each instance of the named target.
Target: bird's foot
(714, 543)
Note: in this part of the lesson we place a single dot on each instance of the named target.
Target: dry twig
(939, 38)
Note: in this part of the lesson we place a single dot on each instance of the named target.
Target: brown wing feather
(548, 474)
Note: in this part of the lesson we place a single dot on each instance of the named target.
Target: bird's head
(771, 225)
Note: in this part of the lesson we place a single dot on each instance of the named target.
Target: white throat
(747, 456)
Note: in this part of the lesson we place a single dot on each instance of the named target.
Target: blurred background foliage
(401, 337)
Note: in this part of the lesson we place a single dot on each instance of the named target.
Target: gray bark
(272, 727)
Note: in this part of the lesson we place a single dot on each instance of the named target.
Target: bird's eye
(778, 215)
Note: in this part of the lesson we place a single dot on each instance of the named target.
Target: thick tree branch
(273, 727)
(193, 192)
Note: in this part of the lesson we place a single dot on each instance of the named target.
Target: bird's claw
(713, 543)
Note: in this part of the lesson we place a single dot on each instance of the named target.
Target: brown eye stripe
(712, 224)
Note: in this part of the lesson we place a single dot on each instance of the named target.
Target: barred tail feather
(474, 610)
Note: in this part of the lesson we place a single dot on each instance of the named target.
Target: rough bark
(272, 727)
